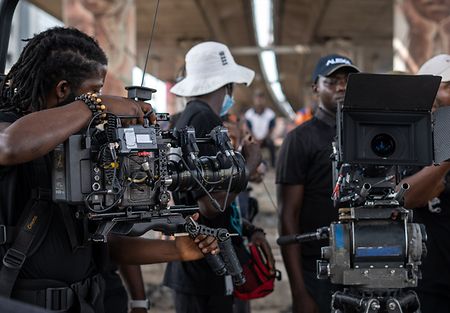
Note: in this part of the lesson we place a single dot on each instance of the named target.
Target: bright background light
(278, 92)
(263, 9)
(263, 22)
(269, 65)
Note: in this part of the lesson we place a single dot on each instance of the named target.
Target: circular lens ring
(383, 145)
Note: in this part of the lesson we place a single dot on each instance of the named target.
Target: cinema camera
(121, 177)
(375, 250)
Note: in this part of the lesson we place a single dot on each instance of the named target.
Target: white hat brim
(438, 66)
(445, 75)
(195, 85)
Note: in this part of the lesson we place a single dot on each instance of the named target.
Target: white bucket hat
(438, 65)
(209, 66)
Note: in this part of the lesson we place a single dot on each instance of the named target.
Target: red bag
(259, 281)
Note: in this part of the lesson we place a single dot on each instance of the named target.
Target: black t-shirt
(55, 259)
(196, 277)
(435, 266)
(304, 159)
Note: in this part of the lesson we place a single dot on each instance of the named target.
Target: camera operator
(210, 74)
(47, 258)
(430, 193)
(304, 185)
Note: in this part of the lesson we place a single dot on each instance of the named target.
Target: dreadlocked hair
(56, 54)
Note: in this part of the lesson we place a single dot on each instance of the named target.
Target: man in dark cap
(304, 185)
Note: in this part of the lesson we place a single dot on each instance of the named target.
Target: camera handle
(225, 263)
(319, 234)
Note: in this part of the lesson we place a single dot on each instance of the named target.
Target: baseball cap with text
(329, 64)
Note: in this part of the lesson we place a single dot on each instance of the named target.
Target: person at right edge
(211, 73)
(429, 196)
(304, 185)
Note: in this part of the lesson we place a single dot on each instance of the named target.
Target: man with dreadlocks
(46, 97)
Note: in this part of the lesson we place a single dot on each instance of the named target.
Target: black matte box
(411, 132)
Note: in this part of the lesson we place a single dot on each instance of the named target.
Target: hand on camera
(194, 249)
(128, 107)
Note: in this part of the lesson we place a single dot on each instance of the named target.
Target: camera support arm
(319, 234)
(170, 222)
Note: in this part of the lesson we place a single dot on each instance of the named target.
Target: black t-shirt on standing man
(304, 159)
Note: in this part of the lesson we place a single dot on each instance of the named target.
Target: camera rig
(375, 248)
(121, 177)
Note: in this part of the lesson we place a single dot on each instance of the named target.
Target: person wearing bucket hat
(429, 195)
(304, 185)
(211, 73)
(210, 66)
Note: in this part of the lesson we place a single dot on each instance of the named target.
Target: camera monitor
(386, 119)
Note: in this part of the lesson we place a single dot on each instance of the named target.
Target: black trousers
(188, 303)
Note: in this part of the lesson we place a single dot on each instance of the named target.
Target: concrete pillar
(421, 31)
(113, 24)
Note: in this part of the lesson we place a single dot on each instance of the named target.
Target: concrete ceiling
(360, 29)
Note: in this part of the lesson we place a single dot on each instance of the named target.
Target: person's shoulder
(308, 126)
(270, 113)
(197, 105)
(249, 113)
(194, 109)
(302, 133)
(199, 115)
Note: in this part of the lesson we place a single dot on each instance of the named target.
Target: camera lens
(383, 145)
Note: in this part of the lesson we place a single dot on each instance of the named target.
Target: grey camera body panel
(70, 157)
(136, 138)
(371, 250)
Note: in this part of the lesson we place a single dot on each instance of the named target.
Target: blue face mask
(228, 102)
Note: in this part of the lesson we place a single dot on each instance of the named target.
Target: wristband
(94, 103)
(139, 304)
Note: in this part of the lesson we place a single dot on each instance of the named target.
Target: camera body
(123, 176)
(384, 123)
